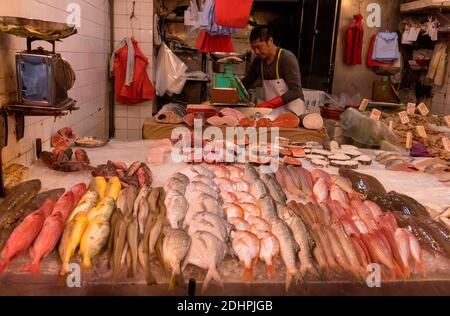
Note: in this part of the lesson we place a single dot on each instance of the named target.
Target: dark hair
(262, 33)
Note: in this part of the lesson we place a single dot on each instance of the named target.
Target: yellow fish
(71, 239)
(113, 188)
(88, 201)
(94, 239)
(105, 207)
(98, 185)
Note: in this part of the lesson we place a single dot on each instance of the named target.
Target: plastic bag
(366, 131)
(170, 72)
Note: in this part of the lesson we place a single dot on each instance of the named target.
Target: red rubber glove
(271, 104)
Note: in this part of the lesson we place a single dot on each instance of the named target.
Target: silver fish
(177, 207)
(274, 188)
(268, 209)
(209, 222)
(176, 245)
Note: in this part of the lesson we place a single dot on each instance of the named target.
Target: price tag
(423, 109)
(391, 125)
(446, 143)
(403, 117)
(408, 140)
(421, 131)
(411, 108)
(375, 115)
(447, 120)
(363, 105)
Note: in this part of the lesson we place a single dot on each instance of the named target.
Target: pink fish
(374, 209)
(241, 185)
(78, 191)
(391, 239)
(348, 225)
(235, 172)
(228, 197)
(46, 241)
(388, 221)
(306, 180)
(416, 253)
(336, 194)
(320, 174)
(364, 213)
(379, 252)
(64, 205)
(361, 250)
(359, 223)
(225, 184)
(320, 190)
(244, 197)
(402, 241)
(24, 234)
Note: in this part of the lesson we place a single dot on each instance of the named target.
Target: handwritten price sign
(423, 109)
(411, 108)
(375, 115)
(403, 117)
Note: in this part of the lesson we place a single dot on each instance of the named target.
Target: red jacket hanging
(141, 89)
(354, 41)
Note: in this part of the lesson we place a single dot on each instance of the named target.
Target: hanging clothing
(207, 21)
(436, 70)
(132, 84)
(233, 13)
(374, 63)
(386, 48)
(354, 41)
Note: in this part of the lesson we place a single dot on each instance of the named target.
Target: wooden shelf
(34, 110)
(423, 6)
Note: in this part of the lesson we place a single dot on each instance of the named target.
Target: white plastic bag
(170, 72)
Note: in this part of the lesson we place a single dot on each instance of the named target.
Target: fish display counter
(140, 224)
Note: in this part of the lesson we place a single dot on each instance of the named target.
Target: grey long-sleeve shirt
(289, 70)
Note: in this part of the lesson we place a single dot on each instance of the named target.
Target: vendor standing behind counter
(280, 73)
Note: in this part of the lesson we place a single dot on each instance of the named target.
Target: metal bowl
(43, 30)
(217, 55)
(91, 142)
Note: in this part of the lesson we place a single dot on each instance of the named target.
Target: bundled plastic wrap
(364, 130)
(170, 72)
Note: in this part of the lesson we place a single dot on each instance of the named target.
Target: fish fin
(173, 281)
(159, 255)
(86, 264)
(4, 264)
(419, 268)
(34, 268)
(271, 272)
(309, 272)
(289, 278)
(212, 274)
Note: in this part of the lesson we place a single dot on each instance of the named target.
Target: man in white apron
(280, 73)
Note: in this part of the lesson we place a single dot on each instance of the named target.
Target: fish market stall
(318, 211)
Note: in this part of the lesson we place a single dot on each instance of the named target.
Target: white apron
(276, 88)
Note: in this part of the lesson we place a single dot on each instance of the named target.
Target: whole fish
(234, 210)
(303, 239)
(144, 261)
(274, 188)
(241, 185)
(250, 210)
(207, 181)
(287, 249)
(269, 250)
(99, 185)
(257, 225)
(343, 183)
(405, 204)
(239, 224)
(64, 205)
(229, 197)
(336, 194)
(247, 247)
(87, 202)
(416, 253)
(126, 199)
(116, 216)
(320, 190)
(73, 232)
(94, 239)
(320, 174)
(78, 191)
(198, 169)
(379, 251)
(113, 188)
(258, 189)
(133, 240)
(46, 241)
(120, 242)
(206, 252)
(24, 234)
(363, 183)
(143, 194)
(306, 181)
(177, 207)
(244, 197)
(250, 174)
(153, 197)
(322, 239)
(401, 236)
(142, 216)
(195, 186)
(175, 247)
(268, 209)
(41, 198)
(212, 223)
(105, 207)
(11, 208)
(292, 181)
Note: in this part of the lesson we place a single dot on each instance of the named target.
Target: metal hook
(133, 15)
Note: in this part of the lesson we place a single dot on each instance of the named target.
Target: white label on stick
(375, 114)
(363, 105)
(408, 140)
(411, 108)
(421, 131)
(403, 117)
(423, 109)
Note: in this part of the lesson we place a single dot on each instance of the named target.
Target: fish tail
(150, 278)
(212, 275)
(86, 264)
(34, 267)
(4, 264)
(289, 278)
(418, 267)
(248, 274)
(64, 268)
(271, 272)
(172, 281)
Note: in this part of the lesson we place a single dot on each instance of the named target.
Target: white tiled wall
(130, 118)
(87, 52)
(441, 95)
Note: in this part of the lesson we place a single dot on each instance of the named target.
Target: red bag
(370, 61)
(233, 13)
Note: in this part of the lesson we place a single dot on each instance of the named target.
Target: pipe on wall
(112, 128)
